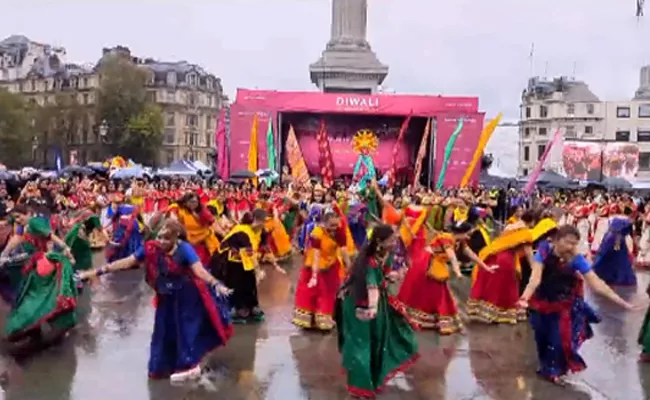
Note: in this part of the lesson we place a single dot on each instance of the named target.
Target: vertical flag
(448, 149)
(421, 153)
(295, 159)
(270, 150)
(392, 172)
(325, 159)
(252, 149)
(540, 164)
(220, 140)
(640, 5)
(483, 141)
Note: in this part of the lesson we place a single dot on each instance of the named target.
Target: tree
(135, 126)
(57, 126)
(15, 130)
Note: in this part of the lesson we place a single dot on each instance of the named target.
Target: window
(542, 131)
(644, 111)
(170, 120)
(644, 161)
(590, 109)
(170, 156)
(528, 112)
(169, 135)
(526, 153)
(208, 122)
(570, 131)
(570, 109)
(32, 85)
(191, 120)
(525, 171)
(543, 111)
(191, 79)
(191, 99)
(622, 136)
(171, 78)
(589, 130)
(622, 112)
(85, 82)
(208, 83)
(85, 98)
(541, 148)
(207, 140)
(643, 135)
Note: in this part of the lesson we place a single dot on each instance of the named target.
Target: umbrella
(6, 176)
(243, 174)
(616, 182)
(76, 169)
(126, 173)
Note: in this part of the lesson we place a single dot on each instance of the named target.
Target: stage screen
(341, 128)
(582, 160)
(621, 160)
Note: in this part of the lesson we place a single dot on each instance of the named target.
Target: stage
(343, 115)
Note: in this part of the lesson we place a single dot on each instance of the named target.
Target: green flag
(448, 148)
(270, 149)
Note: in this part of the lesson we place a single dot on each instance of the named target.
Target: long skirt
(559, 335)
(244, 300)
(314, 307)
(494, 296)
(644, 336)
(190, 322)
(374, 351)
(429, 302)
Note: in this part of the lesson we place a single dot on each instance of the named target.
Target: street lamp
(103, 131)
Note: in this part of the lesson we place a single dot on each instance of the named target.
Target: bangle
(102, 271)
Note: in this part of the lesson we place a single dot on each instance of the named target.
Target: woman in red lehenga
(320, 278)
(425, 290)
(415, 218)
(494, 295)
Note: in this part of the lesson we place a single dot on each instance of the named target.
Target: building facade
(569, 105)
(189, 97)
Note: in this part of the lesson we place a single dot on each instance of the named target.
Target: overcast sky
(459, 47)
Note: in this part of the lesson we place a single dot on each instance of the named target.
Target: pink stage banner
(221, 163)
(464, 148)
(241, 121)
(386, 104)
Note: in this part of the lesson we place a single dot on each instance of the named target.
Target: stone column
(349, 22)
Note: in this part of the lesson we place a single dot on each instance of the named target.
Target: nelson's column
(348, 64)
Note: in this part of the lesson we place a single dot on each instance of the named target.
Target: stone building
(189, 96)
(571, 106)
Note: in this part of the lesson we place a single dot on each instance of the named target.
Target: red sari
(494, 295)
(416, 218)
(425, 290)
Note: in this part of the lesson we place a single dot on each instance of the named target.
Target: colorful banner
(464, 148)
(621, 160)
(392, 172)
(483, 141)
(540, 165)
(448, 148)
(421, 153)
(221, 144)
(582, 160)
(325, 159)
(323, 103)
(252, 150)
(295, 159)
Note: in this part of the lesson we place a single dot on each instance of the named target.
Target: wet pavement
(105, 358)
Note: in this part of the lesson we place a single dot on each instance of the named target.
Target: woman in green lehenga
(644, 335)
(44, 309)
(376, 340)
(78, 240)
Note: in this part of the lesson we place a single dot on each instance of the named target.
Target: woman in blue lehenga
(315, 213)
(357, 224)
(559, 315)
(614, 261)
(125, 227)
(192, 311)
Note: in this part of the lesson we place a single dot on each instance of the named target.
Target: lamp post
(34, 149)
(103, 131)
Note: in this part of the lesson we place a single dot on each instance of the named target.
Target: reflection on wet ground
(106, 357)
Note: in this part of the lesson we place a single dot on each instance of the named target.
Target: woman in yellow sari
(279, 242)
(200, 226)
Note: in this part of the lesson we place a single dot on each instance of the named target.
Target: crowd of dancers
(376, 264)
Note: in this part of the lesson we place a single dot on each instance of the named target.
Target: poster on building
(621, 160)
(582, 160)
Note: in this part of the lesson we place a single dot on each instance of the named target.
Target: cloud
(464, 47)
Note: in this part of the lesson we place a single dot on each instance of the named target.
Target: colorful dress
(126, 235)
(613, 262)
(81, 247)
(559, 315)
(199, 232)
(191, 318)
(315, 214)
(314, 307)
(234, 264)
(494, 295)
(425, 290)
(47, 298)
(374, 351)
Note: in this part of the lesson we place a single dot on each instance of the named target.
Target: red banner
(464, 148)
(381, 104)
